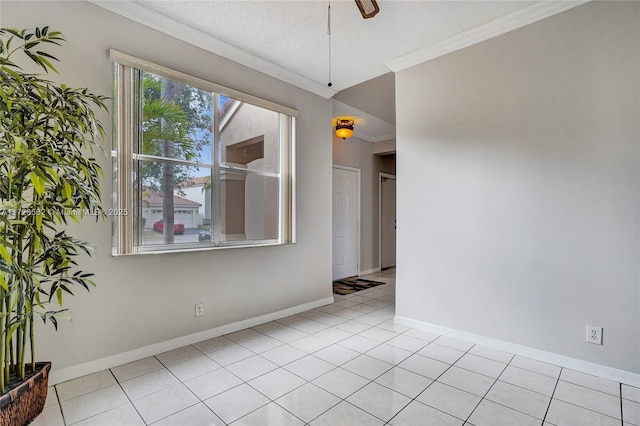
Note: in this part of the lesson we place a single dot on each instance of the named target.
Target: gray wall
(358, 153)
(144, 300)
(519, 186)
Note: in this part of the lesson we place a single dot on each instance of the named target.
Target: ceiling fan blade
(368, 8)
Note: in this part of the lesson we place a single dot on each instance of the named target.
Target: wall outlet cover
(594, 334)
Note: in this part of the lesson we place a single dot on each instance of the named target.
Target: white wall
(145, 300)
(519, 186)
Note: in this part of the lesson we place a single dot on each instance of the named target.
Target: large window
(197, 165)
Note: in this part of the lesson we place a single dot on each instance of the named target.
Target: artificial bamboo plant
(47, 176)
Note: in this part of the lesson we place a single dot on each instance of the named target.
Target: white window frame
(125, 161)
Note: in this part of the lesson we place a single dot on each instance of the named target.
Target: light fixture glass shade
(344, 128)
(368, 8)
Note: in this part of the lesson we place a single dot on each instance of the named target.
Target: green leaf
(37, 182)
(52, 174)
(59, 295)
(39, 228)
(11, 331)
(3, 281)
(68, 191)
(5, 255)
(19, 144)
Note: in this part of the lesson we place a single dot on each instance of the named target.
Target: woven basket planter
(22, 404)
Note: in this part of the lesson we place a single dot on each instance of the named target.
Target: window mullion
(124, 162)
(216, 196)
(137, 102)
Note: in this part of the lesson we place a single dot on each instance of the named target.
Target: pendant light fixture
(368, 8)
(329, 34)
(344, 128)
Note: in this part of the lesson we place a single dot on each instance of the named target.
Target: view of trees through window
(207, 168)
(176, 125)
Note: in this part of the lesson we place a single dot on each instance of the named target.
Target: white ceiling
(288, 39)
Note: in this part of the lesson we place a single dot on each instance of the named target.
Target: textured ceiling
(293, 34)
(288, 39)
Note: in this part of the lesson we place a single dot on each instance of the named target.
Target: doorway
(346, 221)
(387, 225)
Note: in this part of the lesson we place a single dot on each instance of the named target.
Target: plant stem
(2, 343)
(32, 343)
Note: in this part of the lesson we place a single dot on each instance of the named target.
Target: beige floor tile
(165, 403)
(450, 400)
(90, 404)
(589, 381)
(379, 401)
(594, 400)
(85, 384)
(564, 414)
(529, 380)
(536, 366)
(480, 365)
(149, 383)
(467, 381)
(50, 416)
(308, 402)
(491, 414)
(196, 415)
(345, 414)
(341, 383)
(270, 414)
(417, 413)
(125, 415)
(236, 403)
(520, 399)
(424, 366)
(136, 368)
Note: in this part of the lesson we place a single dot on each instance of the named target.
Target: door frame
(380, 176)
(357, 171)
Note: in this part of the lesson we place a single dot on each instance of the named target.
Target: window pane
(186, 194)
(249, 207)
(249, 136)
(176, 120)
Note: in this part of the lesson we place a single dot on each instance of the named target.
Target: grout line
(128, 398)
(621, 407)
(490, 387)
(552, 394)
(200, 401)
(55, 389)
(433, 380)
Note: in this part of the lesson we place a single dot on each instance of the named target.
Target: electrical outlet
(594, 334)
(199, 309)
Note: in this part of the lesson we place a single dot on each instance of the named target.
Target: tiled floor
(341, 364)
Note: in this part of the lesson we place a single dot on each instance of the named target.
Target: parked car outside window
(178, 227)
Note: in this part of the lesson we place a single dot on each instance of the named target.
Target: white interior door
(387, 221)
(346, 221)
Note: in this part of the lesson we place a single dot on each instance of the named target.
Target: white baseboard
(622, 376)
(369, 271)
(69, 373)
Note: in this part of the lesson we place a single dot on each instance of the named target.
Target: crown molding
(494, 28)
(167, 25)
(373, 138)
